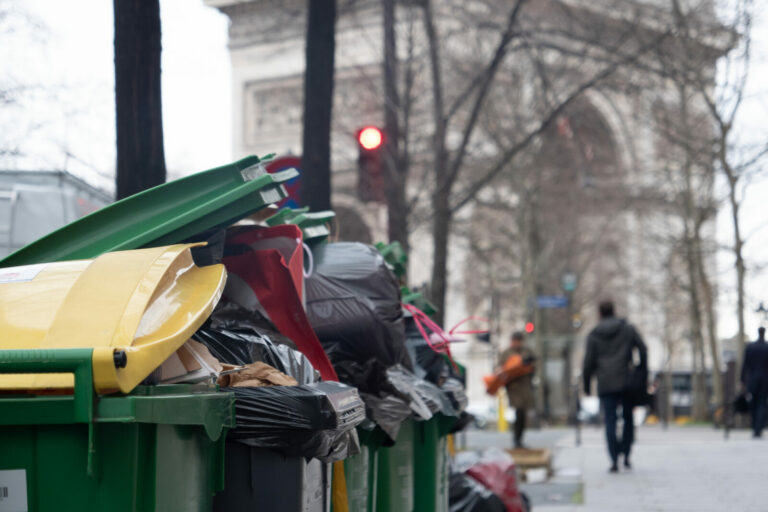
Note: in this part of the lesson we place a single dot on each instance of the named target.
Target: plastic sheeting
(495, 470)
(314, 420)
(426, 399)
(353, 304)
(456, 393)
(388, 412)
(467, 495)
(235, 335)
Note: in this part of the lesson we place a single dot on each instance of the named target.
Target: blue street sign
(551, 301)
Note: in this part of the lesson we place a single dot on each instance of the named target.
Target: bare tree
(708, 143)
(138, 102)
(457, 117)
(734, 159)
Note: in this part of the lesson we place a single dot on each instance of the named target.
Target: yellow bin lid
(146, 302)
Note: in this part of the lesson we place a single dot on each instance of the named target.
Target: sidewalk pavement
(682, 469)
(676, 470)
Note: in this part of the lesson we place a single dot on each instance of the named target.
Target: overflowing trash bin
(77, 432)
(354, 305)
(191, 357)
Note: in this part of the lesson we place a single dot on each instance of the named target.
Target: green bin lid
(418, 300)
(395, 256)
(285, 215)
(163, 215)
(313, 225)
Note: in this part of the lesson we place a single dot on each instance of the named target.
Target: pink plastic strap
(421, 320)
(471, 331)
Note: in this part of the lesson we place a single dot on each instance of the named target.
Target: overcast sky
(63, 53)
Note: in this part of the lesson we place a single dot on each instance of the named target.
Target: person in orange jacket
(520, 390)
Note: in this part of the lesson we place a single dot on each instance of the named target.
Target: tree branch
(512, 152)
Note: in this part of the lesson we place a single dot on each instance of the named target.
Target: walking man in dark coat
(520, 390)
(754, 376)
(608, 356)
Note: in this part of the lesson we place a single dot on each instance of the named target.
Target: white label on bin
(20, 274)
(13, 490)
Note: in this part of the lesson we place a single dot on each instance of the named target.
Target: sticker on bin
(20, 274)
(13, 490)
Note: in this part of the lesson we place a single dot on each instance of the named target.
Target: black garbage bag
(465, 420)
(393, 394)
(456, 393)
(368, 377)
(313, 420)
(427, 364)
(353, 304)
(426, 398)
(467, 495)
(235, 335)
(388, 412)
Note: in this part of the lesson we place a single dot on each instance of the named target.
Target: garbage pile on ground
(481, 481)
(293, 358)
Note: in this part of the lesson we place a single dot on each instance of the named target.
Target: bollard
(501, 422)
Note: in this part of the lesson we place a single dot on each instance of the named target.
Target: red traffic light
(370, 138)
(529, 327)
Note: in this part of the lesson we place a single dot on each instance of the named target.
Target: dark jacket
(754, 371)
(609, 355)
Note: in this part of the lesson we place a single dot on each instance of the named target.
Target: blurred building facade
(34, 203)
(593, 198)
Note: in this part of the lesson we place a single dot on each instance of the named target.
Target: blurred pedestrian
(519, 390)
(754, 377)
(609, 357)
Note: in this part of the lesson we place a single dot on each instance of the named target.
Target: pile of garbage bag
(280, 403)
(312, 420)
(353, 303)
(481, 481)
(235, 335)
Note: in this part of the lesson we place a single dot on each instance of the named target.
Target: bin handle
(77, 361)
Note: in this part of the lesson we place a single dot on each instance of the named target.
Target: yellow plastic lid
(146, 302)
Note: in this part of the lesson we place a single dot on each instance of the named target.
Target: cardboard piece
(192, 362)
(254, 375)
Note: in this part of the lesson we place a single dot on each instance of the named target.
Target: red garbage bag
(265, 267)
(498, 475)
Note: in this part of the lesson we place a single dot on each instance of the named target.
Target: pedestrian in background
(519, 390)
(754, 377)
(609, 357)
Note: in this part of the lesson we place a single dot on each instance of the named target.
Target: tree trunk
(697, 338)
(318, 104)
(441, 208)
(690, 216)
(440, 238)
(709, 309)
(738, 248)
(138, 105)
(395, 174)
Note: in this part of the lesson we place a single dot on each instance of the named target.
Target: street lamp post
(762, 309)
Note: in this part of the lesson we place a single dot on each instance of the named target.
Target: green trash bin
(361, 471)
(395, 468)
(431, 463)
(158, 449)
